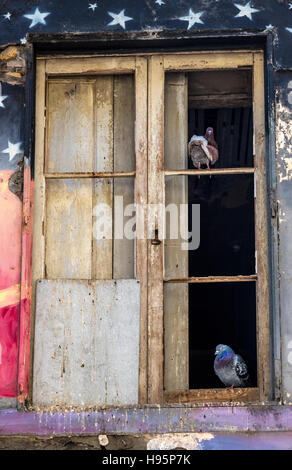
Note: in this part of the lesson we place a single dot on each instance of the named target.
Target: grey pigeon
(230, 367)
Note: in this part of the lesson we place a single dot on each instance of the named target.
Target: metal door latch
(155, 240)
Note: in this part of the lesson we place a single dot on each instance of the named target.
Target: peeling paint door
(87, 265)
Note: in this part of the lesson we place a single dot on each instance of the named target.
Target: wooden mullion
(207, 61)
(214, 395)
(206, 279)
(113, 174)
(261, 229)
(137, 54)
(38, 253)
(218, 171)
(39, 208)
(141, 198)
(155, 252)
(90, 66)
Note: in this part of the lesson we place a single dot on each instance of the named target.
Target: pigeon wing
(241, 369)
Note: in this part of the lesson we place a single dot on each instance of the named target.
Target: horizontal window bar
(239, 278)
(212, 395)
(114, 174)
(219, 171)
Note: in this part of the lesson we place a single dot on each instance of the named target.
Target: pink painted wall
(10, 265)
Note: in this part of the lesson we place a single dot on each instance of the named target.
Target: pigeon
(212, 144)
(230, 367)
(203, 150)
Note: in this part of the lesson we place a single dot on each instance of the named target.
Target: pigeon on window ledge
(230, 367)
(203, 150)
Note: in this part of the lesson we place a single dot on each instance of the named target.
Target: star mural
(92, 6)
(245, 10)
(192, 18)
(119, 18)
(12, 149)
(2, 98)
(217, 15)
(37, 17)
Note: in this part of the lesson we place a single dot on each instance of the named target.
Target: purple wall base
(147, 420)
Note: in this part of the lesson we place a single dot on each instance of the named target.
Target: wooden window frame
(214, 60)
(149, 188)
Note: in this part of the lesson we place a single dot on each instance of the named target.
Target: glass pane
(89, 229)
(86, 126)
(219, 217)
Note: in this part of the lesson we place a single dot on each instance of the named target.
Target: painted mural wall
(11, 138)
(18, 17)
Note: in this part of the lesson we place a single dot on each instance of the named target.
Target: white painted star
(37, 17)
(160, 2)
(245, 10)
(23, 40)
(269, 26)
(192, 18)
(2, 98)
(7, 16)
(289, 29)
(119, 18)
(12, 149)
(92, 6)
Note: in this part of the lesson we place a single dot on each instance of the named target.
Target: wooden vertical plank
(261, 232)
(176, 351)
(155, 253)
(103, 188)
(70, 125)
(68, 229)
(38, 242)
(38, 251)
(141, 92)
(124, 160)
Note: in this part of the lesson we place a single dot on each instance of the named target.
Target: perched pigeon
(203, 150)
(212, 144)
(230, 367)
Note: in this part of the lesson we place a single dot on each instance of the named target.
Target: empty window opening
(218, 312)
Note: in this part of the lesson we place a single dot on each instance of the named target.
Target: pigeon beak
(216, 352)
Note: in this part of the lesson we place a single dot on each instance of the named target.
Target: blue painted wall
(17, 18)
(105, 15)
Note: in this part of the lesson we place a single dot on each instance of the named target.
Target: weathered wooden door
(89, 273)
